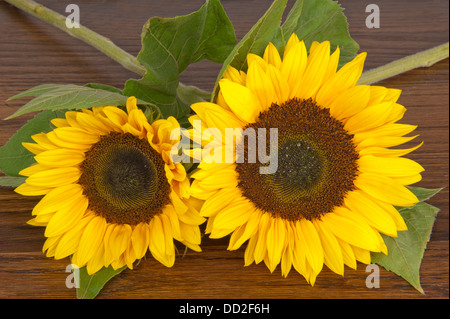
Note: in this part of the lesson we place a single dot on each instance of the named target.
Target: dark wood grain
(33, 53)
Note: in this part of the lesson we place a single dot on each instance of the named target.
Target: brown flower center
(124, 179)
(317, 163)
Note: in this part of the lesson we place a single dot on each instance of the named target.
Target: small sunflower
(337, 179)
(111, 190)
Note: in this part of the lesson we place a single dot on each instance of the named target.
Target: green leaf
(36, 91)
(11, 181)
(90, 285)
(13, 156)
(311, 20)
(321, 20)
(405, 252)
(69, 97)
(424, 194)
(169, 45)
(103, 87)
(255, 41)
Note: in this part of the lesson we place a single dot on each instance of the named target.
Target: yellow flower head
(337, 179)
(111, 190)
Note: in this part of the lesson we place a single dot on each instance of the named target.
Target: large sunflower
(337, 179)
(111, 189)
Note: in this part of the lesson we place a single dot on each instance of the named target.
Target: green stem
(101, 43)
(422, 59)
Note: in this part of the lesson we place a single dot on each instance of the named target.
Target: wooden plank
(33, 53)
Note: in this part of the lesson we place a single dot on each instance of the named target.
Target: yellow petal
(369, 118)
(393, 212)
(63, 143)
(34, 148)
(60, 157)
(260, 249)
(234, 75)
(244, 104)
(260, 85)
(347, 253)
(249, 255)
(119, 240)
(55, 177)
(170, 247)
(140, 239)
(92, 123)
(225, 178)
(115, 115)
(392, 130)
(245, 232)
(350, 102)
(311, 244)
(191, 236)
(279, 83)
(58, 198)
(70, 240)
(390, 166)
(293, 66)
(384, 141)
(332, 64)
(58, 122)
(31, 190)
(344, 79)
(131, 104)
(317, 66)
(271, 55)
(362, 255)
(386, 152)
(65, 218)
(43, 141)
(276, 240)
(232, 216)
(385, 189)
(376, 216)
(170, 212)
(33, 169)
(96, 262)
(75, 135)
(215, 116)
(293, 40)
(332, 253)
(220, 200)
(91, 239)
(345, 225)
(157, 243)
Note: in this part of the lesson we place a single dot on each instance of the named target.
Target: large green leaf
(405, 252)
(13, 156)
(11, 181)
(169, 45)
(321, 20)
(90, 285)
(311, 20)
(255, 41)
(70, 97)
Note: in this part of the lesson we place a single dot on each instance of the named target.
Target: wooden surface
(33, 53)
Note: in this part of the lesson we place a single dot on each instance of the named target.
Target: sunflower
(337, 178)
(111, 190)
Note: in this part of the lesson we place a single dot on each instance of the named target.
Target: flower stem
(422, 59)
(106, 46)
(101, 43)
